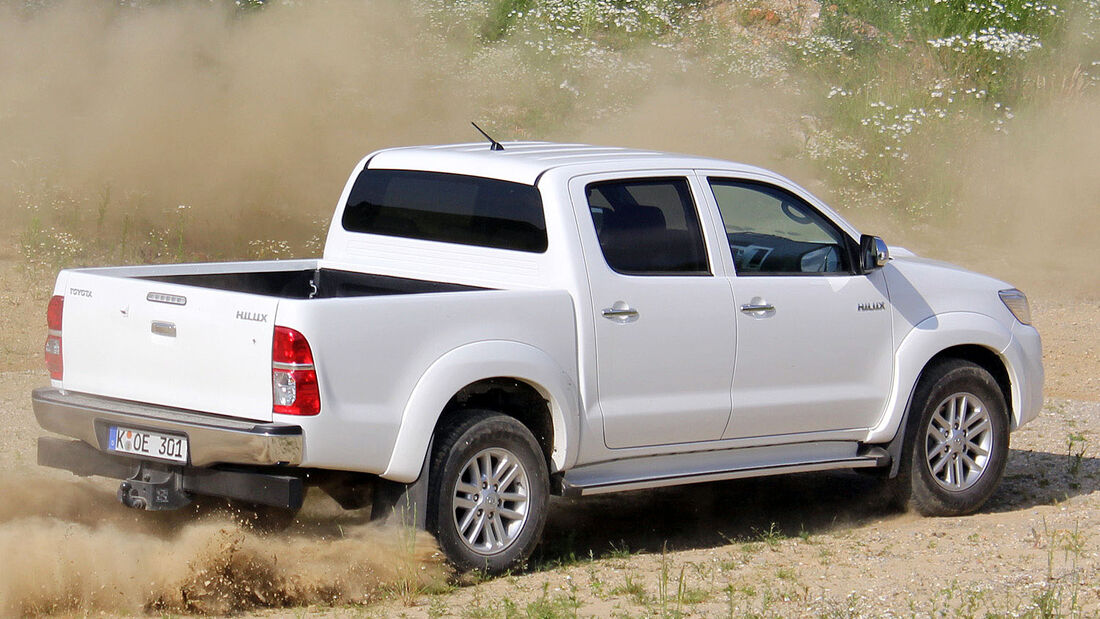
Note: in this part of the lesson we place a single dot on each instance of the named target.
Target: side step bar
(699, 467)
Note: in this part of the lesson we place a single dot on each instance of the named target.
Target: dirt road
(815, 544)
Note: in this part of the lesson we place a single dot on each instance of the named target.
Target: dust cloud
(247, 120)
(1033, 201)
(116, 117)
(1028, 200)
(69, 547)
(688, 113)
(1025, 201)
(110, 119)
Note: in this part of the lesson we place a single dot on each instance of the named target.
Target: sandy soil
(820, 545)
(815, 544)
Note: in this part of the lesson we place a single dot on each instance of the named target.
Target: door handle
(621, 313)
(757, 308)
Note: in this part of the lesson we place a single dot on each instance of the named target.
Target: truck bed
(199, 337)
(319, 283)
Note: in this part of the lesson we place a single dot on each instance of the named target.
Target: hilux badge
(871, 307)
(253, 316)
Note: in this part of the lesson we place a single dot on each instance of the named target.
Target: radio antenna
(494, 144)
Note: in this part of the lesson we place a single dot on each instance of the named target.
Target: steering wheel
(795, 215)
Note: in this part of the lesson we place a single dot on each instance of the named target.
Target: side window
(648, 226)
(774, 232)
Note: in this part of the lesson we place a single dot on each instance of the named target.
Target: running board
(699, 467)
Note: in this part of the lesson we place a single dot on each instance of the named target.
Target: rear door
(168, 344)
(663, 321)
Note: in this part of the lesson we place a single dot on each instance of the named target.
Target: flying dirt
(70, 547)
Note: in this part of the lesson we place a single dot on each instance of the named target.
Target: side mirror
(873, 253)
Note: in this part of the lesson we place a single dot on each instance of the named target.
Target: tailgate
(182, 346)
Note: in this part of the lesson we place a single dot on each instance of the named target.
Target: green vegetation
(772, 537)
(908, 82)
(1059, 595)
(1076, 445)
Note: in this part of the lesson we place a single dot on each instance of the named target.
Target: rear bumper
(163, 486)
(212, 439)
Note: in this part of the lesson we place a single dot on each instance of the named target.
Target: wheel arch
(517, 398)
(961, 335)
(966, 335)
(507, 374)
(985, 358)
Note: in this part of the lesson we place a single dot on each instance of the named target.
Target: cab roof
(525, 162)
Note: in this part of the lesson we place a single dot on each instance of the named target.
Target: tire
(956, 443)
(479, 524)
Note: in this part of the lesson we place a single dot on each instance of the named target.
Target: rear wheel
(488, 492)
(957, 446)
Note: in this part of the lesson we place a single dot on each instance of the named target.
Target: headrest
(635, 217)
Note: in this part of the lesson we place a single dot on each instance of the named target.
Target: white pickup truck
(490, 326)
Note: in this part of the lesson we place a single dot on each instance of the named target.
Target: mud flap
(896, 447)
(403, 504)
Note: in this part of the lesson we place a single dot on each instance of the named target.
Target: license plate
(144, 443)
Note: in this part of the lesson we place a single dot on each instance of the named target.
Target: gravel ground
(820, 545)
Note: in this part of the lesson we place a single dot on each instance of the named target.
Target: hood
(921, 288)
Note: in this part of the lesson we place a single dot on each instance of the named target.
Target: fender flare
(471, 363)
(927, 339)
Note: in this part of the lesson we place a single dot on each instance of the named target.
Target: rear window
(451, 208)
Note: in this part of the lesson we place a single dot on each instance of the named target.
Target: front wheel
(957, 447)
(488, 491)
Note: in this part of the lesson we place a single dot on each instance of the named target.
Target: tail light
(293, 377)
(53, 337)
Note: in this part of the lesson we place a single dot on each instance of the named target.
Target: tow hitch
(153, 488)
(159, 486)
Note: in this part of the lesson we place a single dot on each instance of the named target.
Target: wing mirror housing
(873, 253)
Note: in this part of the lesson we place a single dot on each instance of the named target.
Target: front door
(663, 322)
(814, 349)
